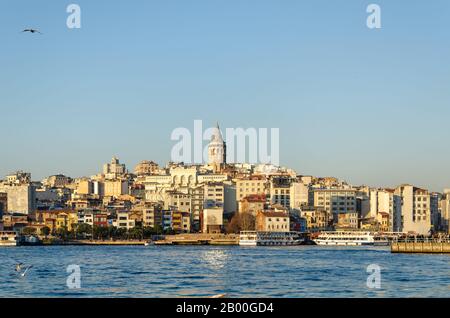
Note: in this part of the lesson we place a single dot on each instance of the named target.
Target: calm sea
(234, 271)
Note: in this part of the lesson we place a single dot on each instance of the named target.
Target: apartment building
(116, 188)
(346, 220)
(255, 185)
(280, 190)
(445, 212)
(3, 203)
(299, 195)
(21, 198)
(124, 221)
(415, 215)
(387, 202)
(214, 195)
(212, 220)
(316, 219)
(252, 204)
(270, 221)
(335, 200)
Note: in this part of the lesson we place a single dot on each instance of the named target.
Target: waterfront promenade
(180, 239)
(200, 239)
(424, 246)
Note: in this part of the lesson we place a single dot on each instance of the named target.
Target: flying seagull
(32, 31)
(26, 270)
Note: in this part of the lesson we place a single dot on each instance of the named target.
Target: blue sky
(368, 106)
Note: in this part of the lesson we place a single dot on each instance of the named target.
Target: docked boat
(253, 238)
(350, 239)
(29, 240)
(8, 238)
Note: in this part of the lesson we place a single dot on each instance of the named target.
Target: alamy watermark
(74, 279)
(249, 145)
(74, 19)
(374, 279)
(374, 19)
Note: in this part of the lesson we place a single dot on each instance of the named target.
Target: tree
(112, 232)
(135, 233)
(241, 222)
(248, 222)
(100, 232)
(84, 229)
(29, 231)
(158, 229)
(62, 232)
(148, 232)
(121, 233)
(45, 231)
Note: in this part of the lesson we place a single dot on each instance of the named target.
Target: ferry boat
(253, 238)
(8, 238)
(351, 239)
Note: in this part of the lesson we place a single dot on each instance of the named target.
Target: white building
(21, 198)
(445, 212)
(299, 195)
(415, 215)
(212, 220)
(123, 221)
(385, 201)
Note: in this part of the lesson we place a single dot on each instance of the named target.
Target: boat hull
(270, 239)
(8, 244)
(350, 239)
(321, 243)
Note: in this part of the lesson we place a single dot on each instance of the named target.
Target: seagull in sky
(32, 31)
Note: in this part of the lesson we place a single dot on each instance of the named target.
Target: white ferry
(8, 238)
(351, 239)
(253, 238)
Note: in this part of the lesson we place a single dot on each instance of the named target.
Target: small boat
(29, 240)
(254, 238)
(351, 238)
(149, 243)
(8, 238)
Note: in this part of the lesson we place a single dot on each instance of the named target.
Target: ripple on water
(237, 272)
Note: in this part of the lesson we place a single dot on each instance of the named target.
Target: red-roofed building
(252, 204)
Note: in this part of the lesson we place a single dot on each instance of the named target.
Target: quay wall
(421, 247)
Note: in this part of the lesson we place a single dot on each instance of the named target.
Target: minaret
(217, 150)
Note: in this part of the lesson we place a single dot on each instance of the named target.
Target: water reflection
(215, 259)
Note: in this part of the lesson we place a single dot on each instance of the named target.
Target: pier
(94, 243)
(200, 239)
(422, 246)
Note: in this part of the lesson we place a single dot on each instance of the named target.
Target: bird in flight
(32, 31)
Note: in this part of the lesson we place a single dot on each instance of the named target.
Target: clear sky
(369, 106)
